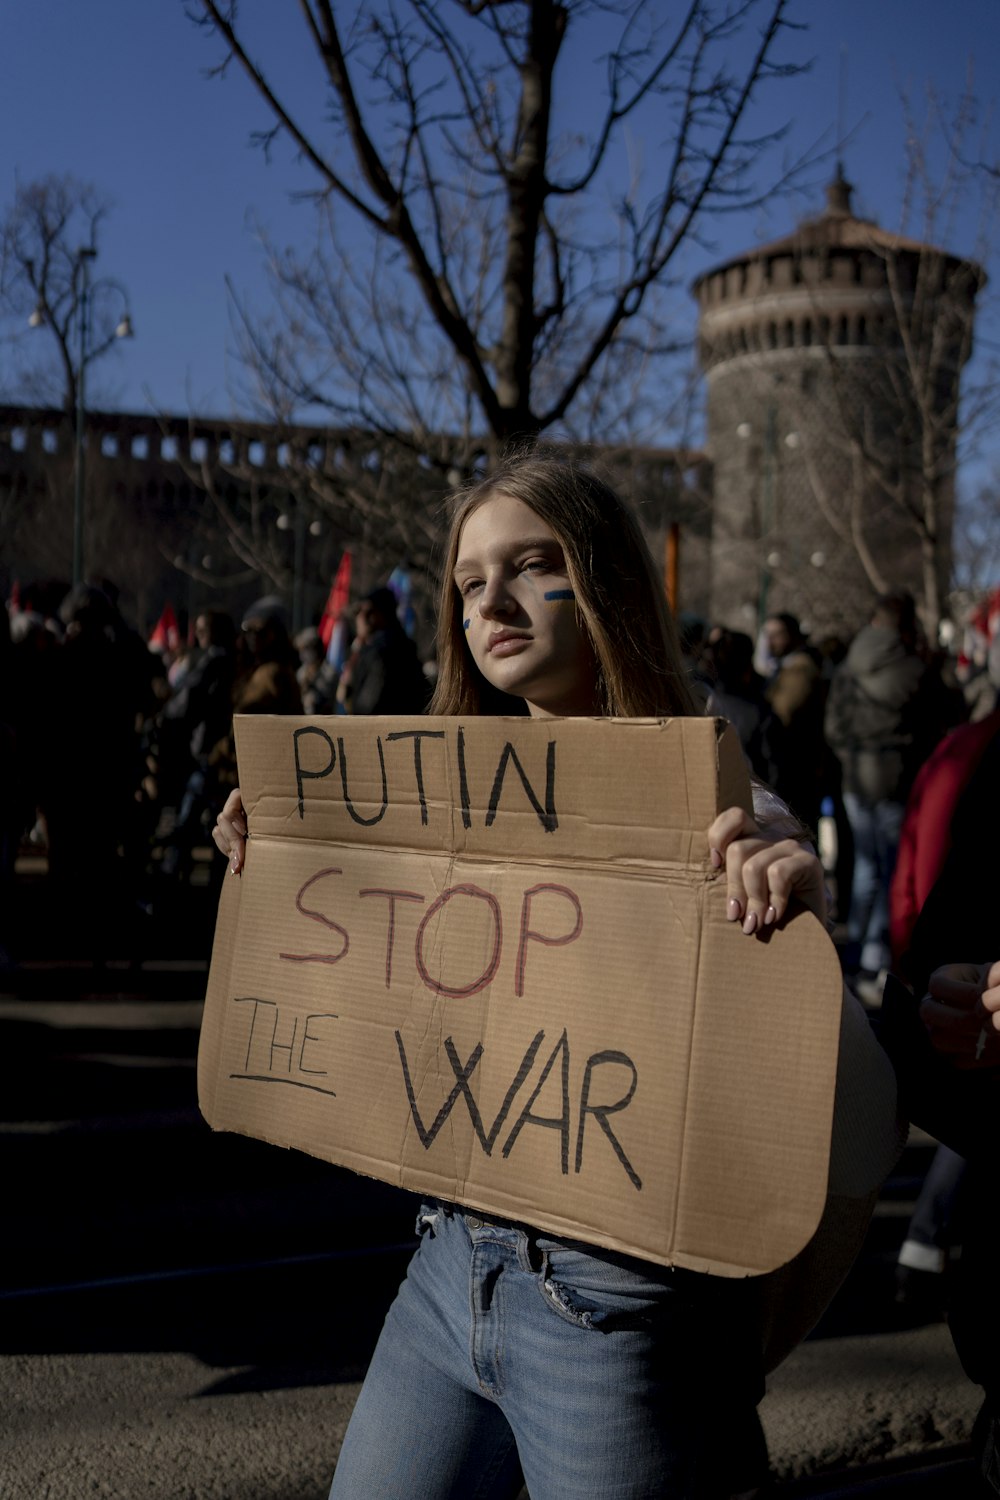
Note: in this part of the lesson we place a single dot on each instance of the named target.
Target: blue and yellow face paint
(559, 596)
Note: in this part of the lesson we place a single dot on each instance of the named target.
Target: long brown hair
(619, 599)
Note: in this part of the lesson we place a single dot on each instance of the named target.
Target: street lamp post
(85, 255)
(123, 329)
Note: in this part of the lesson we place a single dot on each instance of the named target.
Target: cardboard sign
(490, 962)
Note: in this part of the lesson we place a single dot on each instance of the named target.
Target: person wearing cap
(266, 682)
(265, 679)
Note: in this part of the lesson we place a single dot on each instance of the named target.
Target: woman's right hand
(230, 831)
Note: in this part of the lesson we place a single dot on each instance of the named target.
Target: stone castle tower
(833, 358)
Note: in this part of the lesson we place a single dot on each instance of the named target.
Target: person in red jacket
(925, 837)
(926, 840)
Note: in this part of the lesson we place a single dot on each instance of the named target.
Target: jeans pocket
(606, 1293)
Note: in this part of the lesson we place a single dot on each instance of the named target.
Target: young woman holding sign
(509, 1352)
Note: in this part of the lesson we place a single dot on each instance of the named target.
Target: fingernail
(234, 864)
(770, 916)
(735, 910)
(750, 925)
(716, 859)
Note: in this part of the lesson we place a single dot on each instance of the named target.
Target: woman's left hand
(762, 873)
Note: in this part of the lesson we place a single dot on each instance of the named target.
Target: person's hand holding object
(962, 1014)
(763, 873)
(230, 831)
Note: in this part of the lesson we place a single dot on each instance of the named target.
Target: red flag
(166, 633)
(337, 600)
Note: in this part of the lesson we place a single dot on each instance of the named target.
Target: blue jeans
(597, 1376)
(933, 1221)
(875, 828)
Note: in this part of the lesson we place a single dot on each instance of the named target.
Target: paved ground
(169, 1425)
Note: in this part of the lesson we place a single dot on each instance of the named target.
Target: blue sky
(113, 92)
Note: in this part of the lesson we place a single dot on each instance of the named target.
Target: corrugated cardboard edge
(806, 946)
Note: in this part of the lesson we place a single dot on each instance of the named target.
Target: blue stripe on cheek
(556, 596)
(466, 624)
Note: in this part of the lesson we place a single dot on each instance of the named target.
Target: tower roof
(837, 227)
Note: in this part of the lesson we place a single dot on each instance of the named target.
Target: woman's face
(519, 612)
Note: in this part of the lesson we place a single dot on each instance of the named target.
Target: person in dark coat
(738, 695)
(386, 675)
(796, 692)
(97, 694)
(200, 713)
(884, 715)
(263, 681)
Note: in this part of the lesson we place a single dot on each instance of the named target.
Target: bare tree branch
(41, 286)
(453, 141)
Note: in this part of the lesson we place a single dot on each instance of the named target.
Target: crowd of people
(100, 737)
(116, 754)
(900, 744)
(840, 729)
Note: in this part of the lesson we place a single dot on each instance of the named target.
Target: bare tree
(57, 318)
(46, 238)
(892, 417)
(494, 250)
(286, 500)
(976, 545)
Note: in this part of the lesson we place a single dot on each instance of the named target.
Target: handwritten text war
(277, 1051)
